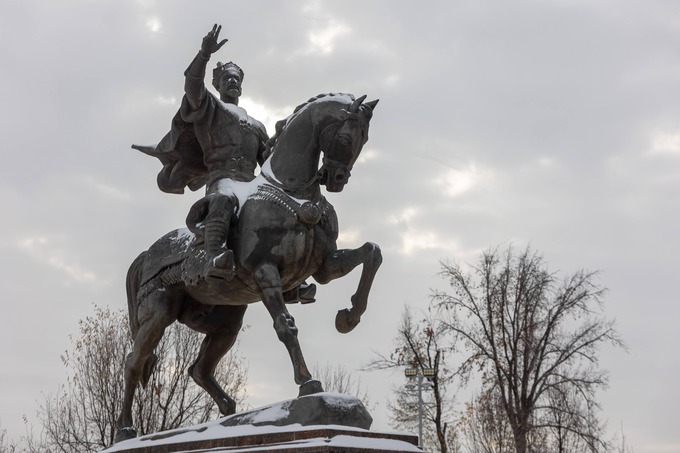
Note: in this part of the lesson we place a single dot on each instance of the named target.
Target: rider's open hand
(210, 44)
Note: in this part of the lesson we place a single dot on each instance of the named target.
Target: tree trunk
(520, 442)
(519, 432)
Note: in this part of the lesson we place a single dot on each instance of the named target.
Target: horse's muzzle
(334, 177)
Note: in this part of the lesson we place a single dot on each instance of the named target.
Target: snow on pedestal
(323, 422)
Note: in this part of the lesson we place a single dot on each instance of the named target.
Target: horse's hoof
(227, 406)
(344, 322)
(310, 387)
(125, 434)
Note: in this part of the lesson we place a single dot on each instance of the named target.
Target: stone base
(310, 439)
(323, 422)
(311, 410)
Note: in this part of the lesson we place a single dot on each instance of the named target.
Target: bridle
(329, 166)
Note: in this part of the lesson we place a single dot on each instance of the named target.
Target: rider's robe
(193, 145)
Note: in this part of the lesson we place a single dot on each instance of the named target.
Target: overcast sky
(547, 122)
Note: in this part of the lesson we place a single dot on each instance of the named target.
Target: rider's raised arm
(194, 86)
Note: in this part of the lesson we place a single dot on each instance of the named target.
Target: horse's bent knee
(285, 328)
(374, 251)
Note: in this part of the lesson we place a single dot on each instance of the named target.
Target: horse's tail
(132, 284)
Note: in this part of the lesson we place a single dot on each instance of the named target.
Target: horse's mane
(282, 123)
(317, 97)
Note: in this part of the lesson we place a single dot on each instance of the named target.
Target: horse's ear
(372, 104)
(355, 105)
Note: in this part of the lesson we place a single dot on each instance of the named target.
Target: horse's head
(342, 141)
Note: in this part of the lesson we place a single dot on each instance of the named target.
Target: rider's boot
(307, 293)
(303, 294)
(220, 260)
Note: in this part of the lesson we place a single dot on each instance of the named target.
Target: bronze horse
(284, 233)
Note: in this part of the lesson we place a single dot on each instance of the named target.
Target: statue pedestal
(323, 422)
(307, 439)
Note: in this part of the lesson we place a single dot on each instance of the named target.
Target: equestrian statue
(251, 237)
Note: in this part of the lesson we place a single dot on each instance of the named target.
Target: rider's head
(227, 80)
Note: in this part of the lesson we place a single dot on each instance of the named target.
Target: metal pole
(420, 410)
(420, 374)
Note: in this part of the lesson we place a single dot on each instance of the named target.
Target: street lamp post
(420, 374)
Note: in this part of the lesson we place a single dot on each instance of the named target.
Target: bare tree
(420, 345)
(484, 424)
(530, 333)
(619, 443)
(6, 446)
(571, 421)
(81, 416)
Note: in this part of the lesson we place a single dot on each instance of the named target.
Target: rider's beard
(234, 92)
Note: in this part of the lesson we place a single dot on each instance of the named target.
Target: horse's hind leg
(221, 327)
(155, 313)
(269, 281)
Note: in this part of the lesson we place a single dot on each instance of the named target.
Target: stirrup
(303, 294)
(307, 293)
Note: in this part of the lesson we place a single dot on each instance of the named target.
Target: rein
(327, 163)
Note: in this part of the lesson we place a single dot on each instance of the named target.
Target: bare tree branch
(421, 345)
(535, 338)
(80, 416)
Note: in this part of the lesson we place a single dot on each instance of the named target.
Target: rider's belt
(238, 169)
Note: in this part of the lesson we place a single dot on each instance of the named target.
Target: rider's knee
(221, 203)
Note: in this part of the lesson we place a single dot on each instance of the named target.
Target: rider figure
(233, 144)
(213, 142)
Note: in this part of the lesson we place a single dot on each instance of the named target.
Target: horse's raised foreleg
(155, 313)
(269, 281)
(222, 327)
(341, 262)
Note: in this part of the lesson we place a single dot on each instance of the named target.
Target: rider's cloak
(181, 155)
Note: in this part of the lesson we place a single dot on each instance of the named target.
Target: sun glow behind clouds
(348, 238)
(153, 24)
(405, 216)
(262, 113)
(367, 155)
(323, 41)
(455, 182)
(325, 32)
(663, 143)
(414, 239)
